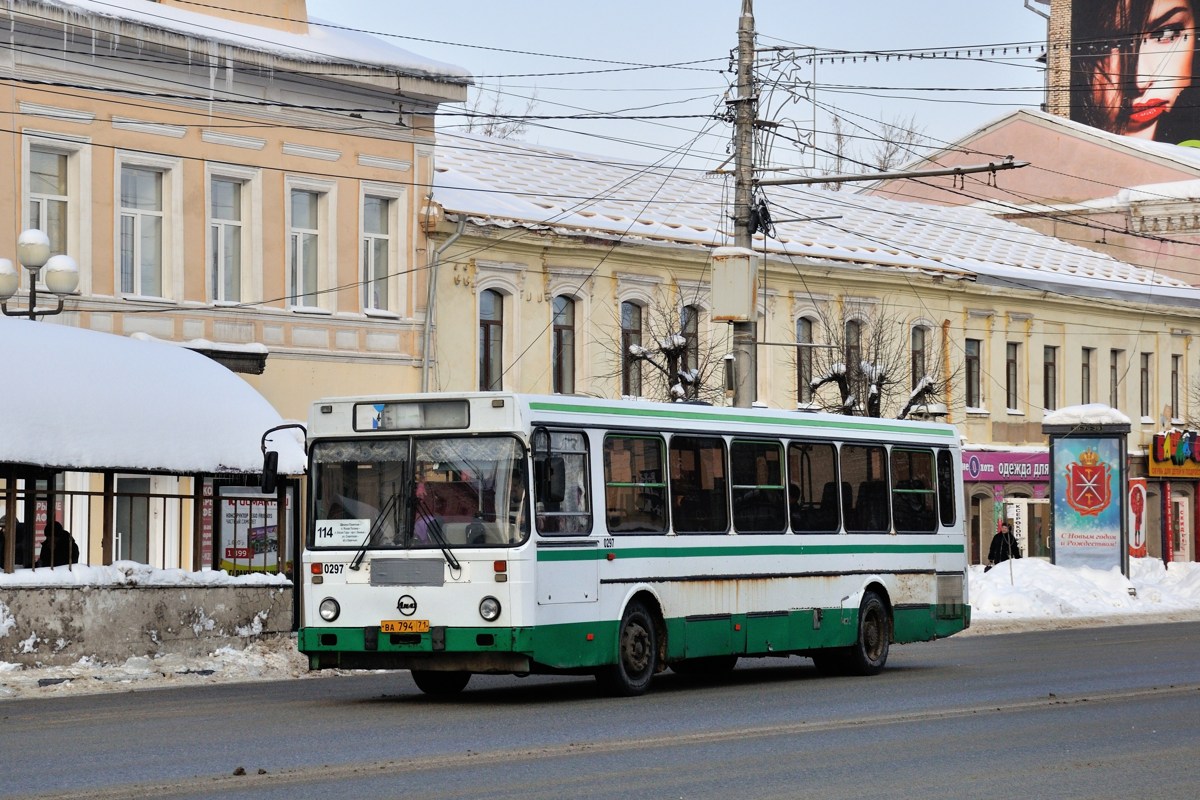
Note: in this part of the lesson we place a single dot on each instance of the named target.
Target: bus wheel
(869, 652)
(440, 684)
(637, 655)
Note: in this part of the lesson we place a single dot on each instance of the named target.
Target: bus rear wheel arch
(869, 652)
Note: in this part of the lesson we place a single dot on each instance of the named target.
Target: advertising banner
(1087, 502)
(1133, 64)
(1137, 518)
(249, 539)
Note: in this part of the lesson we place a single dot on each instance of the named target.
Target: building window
(1114, 378)
(376, 253)
(1012, 371)
(1085, 375)
(225, 239)
(920, 368)
(1176, 368)
(1050, 378)
(689, 323)
(631, 336)
(853, 348)
(491, 339)
(1144, 385)
(304, 242)
(562, 354)
(973, 374)
(804, 360)
(48, 195)
(142, 223)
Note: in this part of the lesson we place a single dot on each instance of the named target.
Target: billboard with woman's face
(1133, 68)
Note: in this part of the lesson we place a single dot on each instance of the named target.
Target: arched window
(563, 350)
(631, 335)
(689, 320)
(920, 365)
(491, 339)
(804, 360)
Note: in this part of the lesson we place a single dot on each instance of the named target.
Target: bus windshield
(419, 493)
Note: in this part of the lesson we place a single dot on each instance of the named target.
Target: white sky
(672, 31)
(1024, 594)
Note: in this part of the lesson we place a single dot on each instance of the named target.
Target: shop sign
(999, 467)
(1175, 454)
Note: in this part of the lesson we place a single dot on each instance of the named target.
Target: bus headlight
(489, 609)
(329, 609)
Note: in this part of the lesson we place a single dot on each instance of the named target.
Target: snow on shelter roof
(507, 184)
(83, 400)
(324, 43)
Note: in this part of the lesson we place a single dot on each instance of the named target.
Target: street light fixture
(60, 274)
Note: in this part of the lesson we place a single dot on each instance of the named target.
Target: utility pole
(745, 389)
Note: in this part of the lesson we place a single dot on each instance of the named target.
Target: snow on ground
(1026, 594)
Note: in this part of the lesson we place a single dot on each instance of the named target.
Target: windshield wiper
(433, 526)
(371, 534)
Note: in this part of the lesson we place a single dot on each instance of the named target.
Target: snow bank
(132, 573)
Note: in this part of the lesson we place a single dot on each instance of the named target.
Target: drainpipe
(431, 300)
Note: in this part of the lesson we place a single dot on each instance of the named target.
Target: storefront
(1173, 470)
(1009, 484)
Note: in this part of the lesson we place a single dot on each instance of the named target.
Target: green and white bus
(453, 534)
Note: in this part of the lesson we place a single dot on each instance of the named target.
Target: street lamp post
(60, 274)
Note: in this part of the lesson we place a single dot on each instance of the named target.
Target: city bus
(492, 532)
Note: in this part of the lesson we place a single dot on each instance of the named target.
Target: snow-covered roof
(323, 43)
(505, 183)
(82, 400)
(1088, 414)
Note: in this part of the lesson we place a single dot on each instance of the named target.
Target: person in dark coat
(1004, 545)
(21, 557)
(59, 547)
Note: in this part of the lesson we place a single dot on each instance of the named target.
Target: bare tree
(897, 143)
(867, 367)
(490, 118)
(671, 360)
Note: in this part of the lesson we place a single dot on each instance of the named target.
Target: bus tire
(637, 654)
(440, 684)
(868, 654)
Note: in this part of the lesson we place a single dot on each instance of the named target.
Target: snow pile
(1029, 589)
(133, 573)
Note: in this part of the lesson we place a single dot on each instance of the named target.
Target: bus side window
(756, 470)
(564, 501)
(946, 494)
(635, 484)
(864, 467)
(699, 490)
(913, 492)
(815, 496)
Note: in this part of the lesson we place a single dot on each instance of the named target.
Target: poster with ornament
(1088, 490)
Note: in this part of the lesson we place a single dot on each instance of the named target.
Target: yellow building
(230, 177)
(550, 264)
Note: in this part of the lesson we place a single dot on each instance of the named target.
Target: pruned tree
(896, 143)
(663, 355)
(487, 115)
(868, 364)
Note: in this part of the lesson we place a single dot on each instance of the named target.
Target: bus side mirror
(270, 471)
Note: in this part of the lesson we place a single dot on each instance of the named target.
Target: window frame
(251, 280)
(399, 258)
(756, 495)
(1012, 375)
(1049, 377)
(648, 489)
(171, 257)
(325, 250)
(491, 348)
(1145, 384)
(973, 373)
(631, 368)
(563, 354)
(78, 225)
(805, 334)
(1086, 358)
(919, 354)
(684, 512)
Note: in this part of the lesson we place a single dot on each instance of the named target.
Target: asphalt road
(1084, 713)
